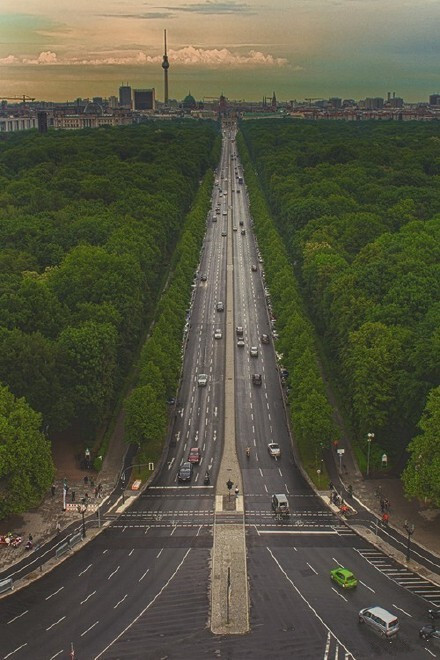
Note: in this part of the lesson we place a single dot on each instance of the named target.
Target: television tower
(165, 67)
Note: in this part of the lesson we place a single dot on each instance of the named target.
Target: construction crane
(22, 98)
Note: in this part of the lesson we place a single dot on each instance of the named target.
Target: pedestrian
(31, 538)
(73, 495)
(58, 528)
(236, 491)
(86, 480)
(350, 490)
(330, 485)
(385, 518)
(52, 489)
(96, 493)
(92, 483)
(387, 504)
(99, 490)
(382, 504)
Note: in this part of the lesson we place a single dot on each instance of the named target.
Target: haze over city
(350, 48)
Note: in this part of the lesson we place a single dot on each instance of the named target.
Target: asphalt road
(141, 588)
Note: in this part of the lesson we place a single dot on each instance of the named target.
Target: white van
(380, 620)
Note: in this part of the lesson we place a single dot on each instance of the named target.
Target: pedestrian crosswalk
(404, 577)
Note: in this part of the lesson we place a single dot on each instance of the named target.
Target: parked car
(343, 577)
(202, 380)
(203, 277)
(274, 449)
(254, 268)
(185, 472)
(194, 455)
(434, 613)
(265, 339)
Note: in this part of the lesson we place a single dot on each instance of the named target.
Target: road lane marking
(86, 599)
(366, 585)
(54, 593)
(311, 568)
(399, 608)
(145, 608)
(56, 623)
(85, 570)
(117, 569)
(340, 595)
(56, 654)
(159, 553)
(120, 601)
(88, 629)
(17, 617)
(15, 650)
(142, 576)
(131, 552)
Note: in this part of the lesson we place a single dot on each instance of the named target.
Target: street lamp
(410, 531)
(82, 508)
(370, 437)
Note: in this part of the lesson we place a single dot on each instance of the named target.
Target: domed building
(189, 102)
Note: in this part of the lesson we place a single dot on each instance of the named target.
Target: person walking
(382, 504)
(58, 528)
(52, 489)
(236, 491)
(73, 495)
(385, 519)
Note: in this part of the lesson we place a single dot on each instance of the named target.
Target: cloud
(187, 56)
(162, 15)
(213, 7)
(46, 57)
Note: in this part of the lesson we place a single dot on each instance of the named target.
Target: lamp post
(82, 508)
(370, 437)
(410, 531)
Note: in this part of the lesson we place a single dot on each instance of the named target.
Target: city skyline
(319, 48)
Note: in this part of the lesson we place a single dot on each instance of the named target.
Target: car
(343, 577)
(284, 372)
(203, 277)
(430, 631)
(234, 228)
(274, 449)
(194, 455)
(185, 472)
(224, 233)
(225, 213)
(238, 190)
(256, 379)
(254, 268)
(217, 210)
(240, 342)
(202, 380)
(434, 613)
(253, 351)
(239, 330)
(265, 339)
(241, 223)
(260, 260)
(217, 334)
(220, 307)
(280, 504)
(382, 621)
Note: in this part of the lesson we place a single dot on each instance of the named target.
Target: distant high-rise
(125, 96)
(165, 67)
(144, 99)
(434, 99)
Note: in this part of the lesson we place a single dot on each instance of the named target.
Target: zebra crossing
(401, 575)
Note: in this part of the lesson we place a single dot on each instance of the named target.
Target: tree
(26, 468)
(421, 477)
(146, 419)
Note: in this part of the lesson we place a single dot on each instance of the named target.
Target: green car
(343, 577)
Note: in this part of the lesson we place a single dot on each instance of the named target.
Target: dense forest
(89, 222)
(358, 207)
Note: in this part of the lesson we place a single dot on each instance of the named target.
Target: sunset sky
(62, 49)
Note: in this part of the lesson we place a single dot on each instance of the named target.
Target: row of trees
(161, 358)
(311, 415)
(358, 207)
(88, 226)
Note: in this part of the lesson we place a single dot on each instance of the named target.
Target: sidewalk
(41, 522)
(426, 520)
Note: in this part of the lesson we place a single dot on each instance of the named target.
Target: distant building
(434, 99)
(189, 102)
(144, 99)
(42, 121)
(373, 103)
(335, 102)
(113, 102)
(125, 97)
(13, 124)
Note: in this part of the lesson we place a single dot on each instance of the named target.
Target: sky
(63, 49)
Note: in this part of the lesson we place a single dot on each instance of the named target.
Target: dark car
(256, 379)
(203, 277)
(434, 614)
(185, 472)
(265, 339)
(430, 631)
